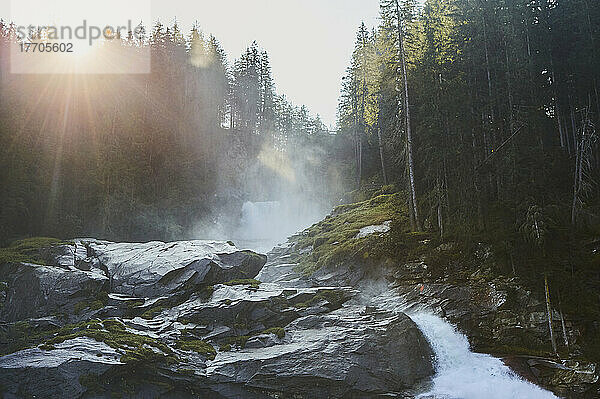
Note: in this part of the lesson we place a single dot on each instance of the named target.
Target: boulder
(33, 291)
(157, 268)
(57, 373)
(341, 354)
(187, 319)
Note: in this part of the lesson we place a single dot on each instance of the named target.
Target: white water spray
(266, 224)
(462, 374)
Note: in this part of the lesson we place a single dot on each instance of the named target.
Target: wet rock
(262, 341)
(282, 337)
(333, 356)
(156, 268)
(375, 229)
(568, 378)
(35, 291)
(54, 373)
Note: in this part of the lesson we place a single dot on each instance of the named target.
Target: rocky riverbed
(187, 319)
(333, 313)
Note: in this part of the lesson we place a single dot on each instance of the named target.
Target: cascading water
(462, 374)
(265, 224)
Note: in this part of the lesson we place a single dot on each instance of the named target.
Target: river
(460, 373)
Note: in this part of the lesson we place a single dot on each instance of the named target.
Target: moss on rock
(277, 331)
(251, 282)
(152, 312)
(239, 341)
(28, 250)
(115, 335)
(197, 346)
(97, 302)
(334, 239)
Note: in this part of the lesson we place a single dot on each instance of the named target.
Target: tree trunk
(562, 322)
(488, 71)
(557, 107)
(384, 174)
(409, 148)
(576, 182)
(359, 160)
(549, 312)
(439, 208)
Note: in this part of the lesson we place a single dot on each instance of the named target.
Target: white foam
(462, 374)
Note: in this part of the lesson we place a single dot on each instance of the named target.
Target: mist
(170, 155)
(282, 192)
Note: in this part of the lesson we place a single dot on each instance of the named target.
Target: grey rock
(35, 291)
(55, 373)
(262, 341)
(155, 268)
(332, 348)
(333, 356)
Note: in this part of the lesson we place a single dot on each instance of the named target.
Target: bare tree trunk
(576, 183)
(573, 124)
(593, 46)
(557, 108)
(439, 208)
(487, 68)
(381, 157)
(491, 111)
(597, 99)
(359, 160)
(562, 322)
(549, 312)
(357, 137)
(409, 147)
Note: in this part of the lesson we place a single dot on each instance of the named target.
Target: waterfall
(462, 374)
(265, 224)
(459, 372)
(260, 219)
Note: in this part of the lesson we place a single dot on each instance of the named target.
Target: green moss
(239, 341)
(225, 348)
(137, 348)
(135, 303)
(147, 356)
(278, 331)
(99, 301)
(28, 250)
(251, 282)
(114, 325)
(198, 346)
(335, 298)
(333, 240)
(152, 312)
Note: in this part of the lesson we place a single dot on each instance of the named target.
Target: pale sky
(309, 41)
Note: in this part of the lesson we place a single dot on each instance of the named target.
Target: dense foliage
(503, 99)
(503, 107)
(149, 156)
